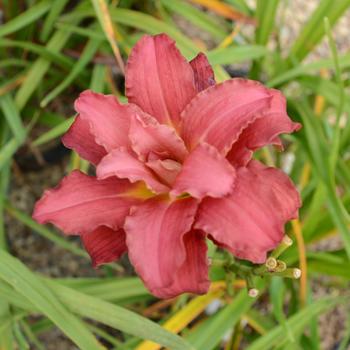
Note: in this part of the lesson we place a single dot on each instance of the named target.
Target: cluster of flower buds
(272, 267)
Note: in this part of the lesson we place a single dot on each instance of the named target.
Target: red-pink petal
(121, 163)
(159, 79)
(166, 169)
(218, 114)
(192, 276)
(250, 221)
(79, 138)
(108, 119)
(104, 245)
(203, 72)
(148, 136)
(155, 238)
(205, 173)
(81, 203)
(263, 131)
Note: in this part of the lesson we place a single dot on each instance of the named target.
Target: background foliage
(50, 50)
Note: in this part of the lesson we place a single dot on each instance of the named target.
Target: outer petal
(218, 114)
(205, 173)
(104, 245)
(147, 135)
(263, 131)
(159, 79)
(192, 276)
(250, 221)
(83, 142)
(81, 203)
(123, 164)
(109, 120)
(203, 72)
(155, 238)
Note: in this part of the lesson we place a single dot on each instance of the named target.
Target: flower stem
(288, 273)
(286, 243)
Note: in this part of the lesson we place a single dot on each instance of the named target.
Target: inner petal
(166, 169)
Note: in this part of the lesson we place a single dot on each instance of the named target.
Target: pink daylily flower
(173, 167)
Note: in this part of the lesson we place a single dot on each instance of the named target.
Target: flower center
(166, 169)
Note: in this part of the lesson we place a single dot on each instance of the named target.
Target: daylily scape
(174, 167)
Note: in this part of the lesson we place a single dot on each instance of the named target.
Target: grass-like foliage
(50, 50)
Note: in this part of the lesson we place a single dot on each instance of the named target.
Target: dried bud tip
(287, 241)
(253, 293)
(296, 273)
(271, 263)
(281, 266)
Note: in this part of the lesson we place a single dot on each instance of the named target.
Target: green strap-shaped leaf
(152, 26)
(25, 18)
(86, 56)
(290, 75)
(236, 54)
(44, 52)
(41, 65)
(31, 287)
(265, 16)
(312, 33)
(117, 317)
(6, 338)
(49, 296)
(14, 122)
(197, 17)
(241, 5)
(57, 7)
(12, 117)
(277, 336)
(109, 289)
(44, 231)
(54, 132)
(39, 69)
(210, 332)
